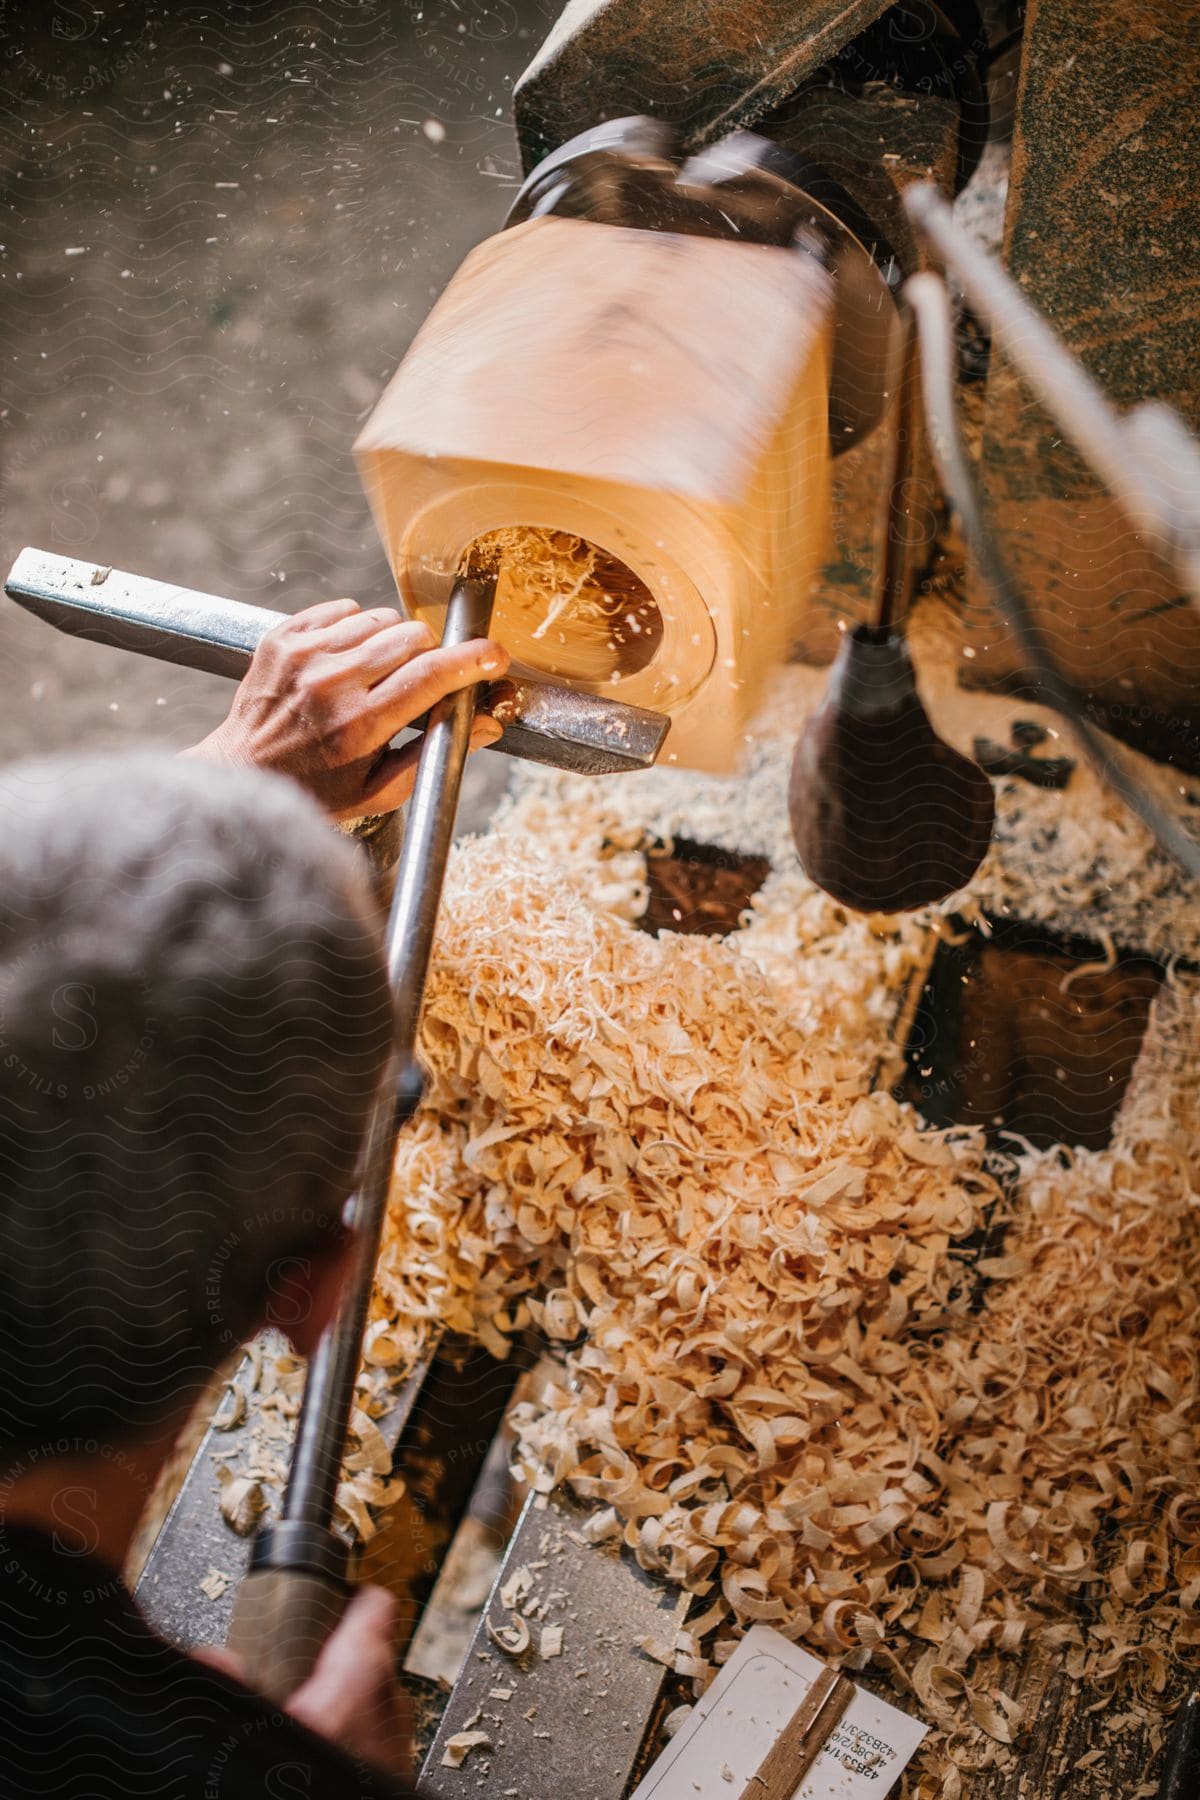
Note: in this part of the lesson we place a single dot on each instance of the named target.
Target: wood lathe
(673, 377)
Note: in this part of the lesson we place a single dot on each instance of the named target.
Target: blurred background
(221, 227)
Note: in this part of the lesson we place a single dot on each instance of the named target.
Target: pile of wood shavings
(575, 1062)
(783, 1396)
(257, 1416)
(1071, 1444)
(1076, 861)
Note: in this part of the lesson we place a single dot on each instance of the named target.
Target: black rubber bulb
(886, 816)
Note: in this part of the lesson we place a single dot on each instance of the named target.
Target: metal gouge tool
(580, 732)
(297, 1585)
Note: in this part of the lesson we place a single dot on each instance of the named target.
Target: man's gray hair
(194, 1016)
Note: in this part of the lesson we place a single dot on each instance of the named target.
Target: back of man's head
(194, 1016)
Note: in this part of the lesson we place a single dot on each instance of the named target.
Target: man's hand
(328, 690)
(352, 1695)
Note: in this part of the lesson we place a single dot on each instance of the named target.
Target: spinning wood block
(659, 404)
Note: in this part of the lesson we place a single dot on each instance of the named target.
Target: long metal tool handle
(291, 1598)
(152, 618)
(543, 721)
(1146, 457)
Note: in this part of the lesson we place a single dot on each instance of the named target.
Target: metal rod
(896, 569)
(429, 827)
(1181, 1758)
(329, 1389)
(927, 296)
(543, 722)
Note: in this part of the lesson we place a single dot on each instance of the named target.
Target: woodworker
(194, 1013)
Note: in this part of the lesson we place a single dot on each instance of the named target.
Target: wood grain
(799, 1744)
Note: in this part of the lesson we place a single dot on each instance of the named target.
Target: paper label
(723, 1743)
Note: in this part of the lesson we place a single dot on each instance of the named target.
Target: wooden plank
(799, 1744)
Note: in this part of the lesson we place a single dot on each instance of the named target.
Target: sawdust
(513, 1639)
(558, 597)
(552, 572)
(215, 1584)
(672, 1155)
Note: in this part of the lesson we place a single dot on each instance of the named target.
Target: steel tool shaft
(296, 1586)
(1181, 1758)
(584, 733)
(429, 832)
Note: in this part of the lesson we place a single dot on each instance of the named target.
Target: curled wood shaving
(242, 1501)
(460, 1746)
(600, 1527)
(513, 1639)
(353, 1504)
(231, 1410)
(373, 1454)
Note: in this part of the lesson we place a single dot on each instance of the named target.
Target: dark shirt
(94, 1705)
